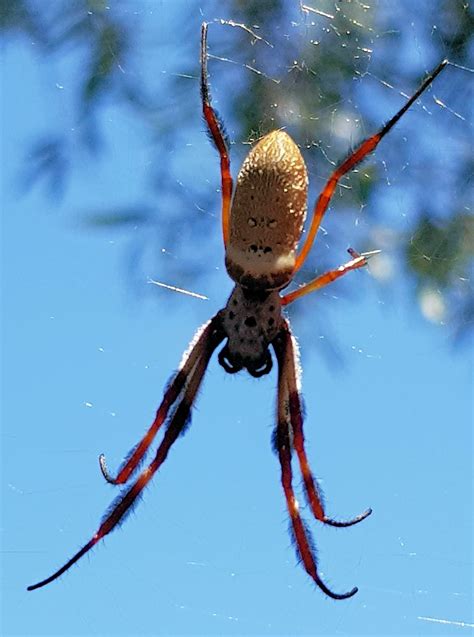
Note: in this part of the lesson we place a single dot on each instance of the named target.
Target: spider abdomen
(267, 214)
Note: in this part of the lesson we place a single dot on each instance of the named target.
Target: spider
(262, 223)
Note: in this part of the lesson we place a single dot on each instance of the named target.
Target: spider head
(251, 320)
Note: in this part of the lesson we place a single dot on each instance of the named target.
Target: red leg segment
(173, 392)
(315, 500)
(216, 131)
(366, 147)
(357, 261)
(283, 444)
(176, 426)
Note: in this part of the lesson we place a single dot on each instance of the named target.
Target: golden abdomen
(267, 214)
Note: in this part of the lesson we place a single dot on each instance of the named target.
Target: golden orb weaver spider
(262, 223)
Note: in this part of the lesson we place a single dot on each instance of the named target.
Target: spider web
(106, 133)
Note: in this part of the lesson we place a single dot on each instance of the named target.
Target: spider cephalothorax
(261, 227)
(251, 320)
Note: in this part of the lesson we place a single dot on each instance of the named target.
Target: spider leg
(357, 261)
(292, 375)
(172, 393)
(177, 425)
(217, 135)
(283, 444)
(360, 153)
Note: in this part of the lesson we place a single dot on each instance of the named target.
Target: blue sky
(207, 551)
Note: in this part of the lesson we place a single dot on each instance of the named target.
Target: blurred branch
(320, 53)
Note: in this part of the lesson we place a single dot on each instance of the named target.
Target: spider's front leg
(210, 338)
(286, 351)
(188, 365)
(284, 441)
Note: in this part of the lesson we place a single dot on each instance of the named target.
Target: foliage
(304, 67)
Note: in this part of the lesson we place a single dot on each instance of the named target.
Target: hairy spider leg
(218, 136)
(361, 152)
(283, 444)
(172, 393)
(176, 426)
(357, 261)
(291, 372)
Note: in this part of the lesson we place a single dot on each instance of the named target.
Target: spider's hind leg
(217, 134)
